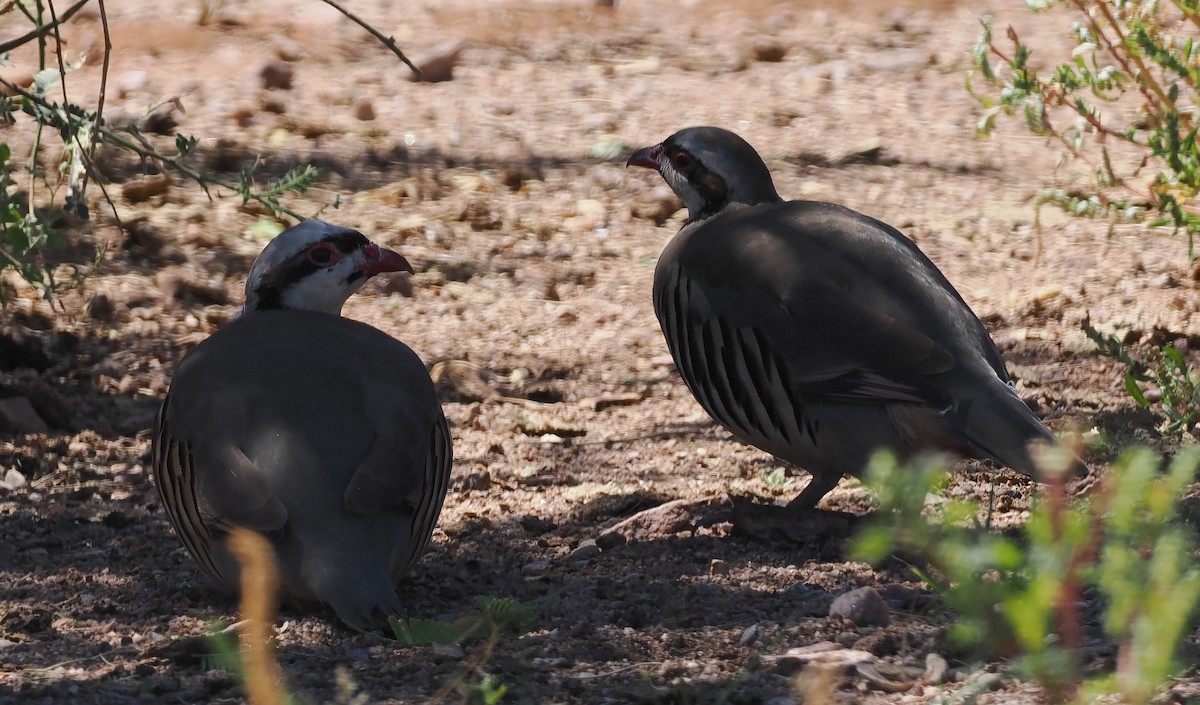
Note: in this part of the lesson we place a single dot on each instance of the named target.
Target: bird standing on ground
(322, 433)
(819, 334)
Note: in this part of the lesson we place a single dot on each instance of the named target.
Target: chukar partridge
(322, 433)
(819, 334)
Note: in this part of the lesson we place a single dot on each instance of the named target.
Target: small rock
(659, 205)
(586, 550)
(287, 49)
(902, 598)
(880, 643)
(536, 567)
(162, 120)
(1164, 281)
(888, 677)
(101, 308)
(610, 540)
(599, 122)
(453, 652)
(438, 63)
(718, 567)
(639, 67)
(364, 110)
(603, 401)
(898, 60)
(825, 652)
(277, 74)
(131, 82)
(863, 606)
(19, 415)
(243, 116)
(936, 669)
(664, 520)
(750, 635)
(146, 187)
(768, 51)
(13, 480)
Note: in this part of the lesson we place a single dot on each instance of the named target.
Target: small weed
(1178, 391)
(777, 479)
(1021, 597)
(495, 617)
(1124, 105)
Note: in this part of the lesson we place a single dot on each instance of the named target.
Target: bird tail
(1001, 427)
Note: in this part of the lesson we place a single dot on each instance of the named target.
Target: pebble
(131, 82)
(101, 308)
(863, 606)
(13, 479)
(936, 669)
(599, 122)
(364, 110)
(768, 51)
(287, 49)
(897, 60)
(535, 567)
(750, 635)
(586, 550)
(145, 188)
(277, 74)
(438, 63)
(162, 120)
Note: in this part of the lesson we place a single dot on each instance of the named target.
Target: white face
(682, 187)
(315, 266)
(327, 289)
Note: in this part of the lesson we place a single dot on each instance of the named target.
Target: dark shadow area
(59, 372)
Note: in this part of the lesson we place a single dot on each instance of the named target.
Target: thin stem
(388, 42)
(41, 30)
(144, 149)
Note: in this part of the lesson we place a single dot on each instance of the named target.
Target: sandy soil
(534, 250)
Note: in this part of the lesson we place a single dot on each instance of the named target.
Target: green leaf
(1133, 390)
(424, 631)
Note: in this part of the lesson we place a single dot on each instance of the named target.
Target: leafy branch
(1130, 88)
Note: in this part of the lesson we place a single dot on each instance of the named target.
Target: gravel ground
(534, 250)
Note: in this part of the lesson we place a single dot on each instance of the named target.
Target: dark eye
(682, 161)
(321, 255)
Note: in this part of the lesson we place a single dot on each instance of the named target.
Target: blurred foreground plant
(1021, 596)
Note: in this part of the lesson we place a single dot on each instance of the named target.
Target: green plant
(492, 620)
(1178, 400)
(1124, 105)
(1020, 596)
(37, 219)
(494, 617)
(488, 690)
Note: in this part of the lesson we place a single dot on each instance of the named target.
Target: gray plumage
(323, 433)
(818, 334)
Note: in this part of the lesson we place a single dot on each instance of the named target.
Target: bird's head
(709, 168)
(316, 266)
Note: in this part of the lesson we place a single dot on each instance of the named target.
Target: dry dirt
(534, 250)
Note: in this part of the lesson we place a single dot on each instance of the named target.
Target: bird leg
(817, 488)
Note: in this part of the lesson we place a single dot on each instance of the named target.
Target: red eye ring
(682, 161)
(323, 254)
